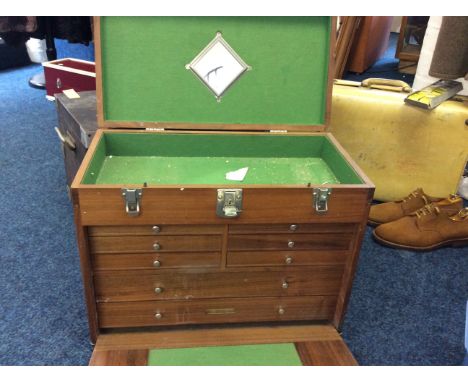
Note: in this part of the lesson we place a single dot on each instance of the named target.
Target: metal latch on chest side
(229, 203)
(320, 199)
(132, 198)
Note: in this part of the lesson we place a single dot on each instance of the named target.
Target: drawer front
(132, 244)
(307, 241)
(166, 260)
(292, 228)
(153, 313)
(146, 285)
(285, 258)
(156, 230)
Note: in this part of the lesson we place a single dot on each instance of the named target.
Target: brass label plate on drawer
(221, 311)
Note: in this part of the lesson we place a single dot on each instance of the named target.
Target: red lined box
(69, 73)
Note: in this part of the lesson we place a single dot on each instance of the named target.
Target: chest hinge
(154, 129)
(278, 131)
(132, 198)
(229, 203)
(320, 199)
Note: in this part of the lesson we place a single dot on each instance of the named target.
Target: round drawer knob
(156, 263)
(280, 311)
(291, 244)
(293, 227)
(156, 246)
(156, 229)
(158, 290)
(158, 316)
(285, 285)
(288, 260)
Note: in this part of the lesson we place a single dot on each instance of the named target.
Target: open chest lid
(214, 73)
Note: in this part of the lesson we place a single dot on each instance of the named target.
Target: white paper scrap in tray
(238, 175)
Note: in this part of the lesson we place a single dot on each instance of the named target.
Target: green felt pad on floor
(245, 355)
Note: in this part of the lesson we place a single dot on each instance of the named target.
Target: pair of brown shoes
(420, 222)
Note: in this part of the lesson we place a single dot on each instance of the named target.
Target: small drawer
(165, 260)
(285, 258)
(292, 242)
(135, 244)
(292, 228)
(156, 229)
(114, 286)
(151, 313)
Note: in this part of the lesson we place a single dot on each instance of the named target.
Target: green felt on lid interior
(244, 355)
(145, 79)
(178, 159)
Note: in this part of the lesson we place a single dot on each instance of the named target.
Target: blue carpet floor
(406, 308)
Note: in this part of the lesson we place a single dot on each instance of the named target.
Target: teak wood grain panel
(137, 314)
(86, 272)
(350, 269)
(285, 258)
(140, 285)
(161, 230)
(249, 229)
(164, 338)
(138, 357)
(325, 353)
(197, 205)
(133, 244)
(166, 260)
(305, 241)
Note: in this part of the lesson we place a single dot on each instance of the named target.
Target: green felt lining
(178, 159)
(145, 79)
(245, 355)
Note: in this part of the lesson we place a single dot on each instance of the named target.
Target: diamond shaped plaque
(218, 66)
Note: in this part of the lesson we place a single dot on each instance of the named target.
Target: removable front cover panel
(145, 76)
(186, 159)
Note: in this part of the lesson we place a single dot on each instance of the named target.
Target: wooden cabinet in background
(370, 42)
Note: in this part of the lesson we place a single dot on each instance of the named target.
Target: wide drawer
(306, 241)
(285, 258)
(152, 313)
(155, 229)
(165, 260)
(293, 228)
(132, 244)
(149, 285)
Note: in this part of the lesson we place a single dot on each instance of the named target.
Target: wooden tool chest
(165, 238)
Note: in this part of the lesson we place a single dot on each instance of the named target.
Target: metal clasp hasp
(320, 199)
(132, 198)
(229, 203)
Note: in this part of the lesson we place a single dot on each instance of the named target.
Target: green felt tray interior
(144, 77)
(245, 355)
(184, 159)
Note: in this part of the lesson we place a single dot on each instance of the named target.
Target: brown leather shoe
(429, 228)
(391, 211)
